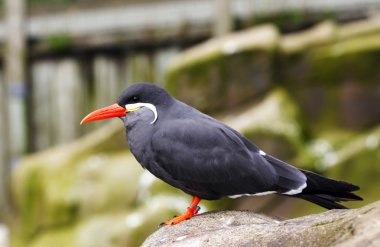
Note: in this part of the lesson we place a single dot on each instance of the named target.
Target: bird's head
(133, 98)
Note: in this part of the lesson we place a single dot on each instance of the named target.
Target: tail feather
(323, 202)
(327, 192)
(320, 190)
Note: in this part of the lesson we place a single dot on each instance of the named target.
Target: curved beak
(107, 112)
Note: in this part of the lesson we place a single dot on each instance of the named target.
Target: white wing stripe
(296, 191)
(257, 194)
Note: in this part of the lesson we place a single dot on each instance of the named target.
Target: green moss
(58, 42)
(359, 44)
(32, 197)
(282, 20)
(359, 162)
(61, 237)
(320, 152)
(277, 145)
(292, 20)
(42, 203)
(193, 76)
(320, 85)
(355, 58)
(57, 187)
(222, 82)
(350, 157)
(223, 73)
(49, 2)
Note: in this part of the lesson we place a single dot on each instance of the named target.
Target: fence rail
(165, 18)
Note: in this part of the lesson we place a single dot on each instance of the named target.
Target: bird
(207, 159)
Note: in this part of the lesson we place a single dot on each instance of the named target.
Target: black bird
(206, 158)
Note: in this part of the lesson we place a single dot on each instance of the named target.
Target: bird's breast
(139, 131)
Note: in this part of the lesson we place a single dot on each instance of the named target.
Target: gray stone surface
(343, 228)
(4, 235)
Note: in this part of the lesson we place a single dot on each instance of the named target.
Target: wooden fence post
(4, 153)
(15, 91)
(223, 22)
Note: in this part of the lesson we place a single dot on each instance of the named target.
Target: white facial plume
(136, 106)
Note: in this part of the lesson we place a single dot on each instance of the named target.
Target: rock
(343, 228)
(359, 28)
(347, 156)
(322, 33)
(329, 72)
(225, 72)
(359, 162)
(45, 185)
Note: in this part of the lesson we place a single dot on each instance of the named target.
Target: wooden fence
(62, 89)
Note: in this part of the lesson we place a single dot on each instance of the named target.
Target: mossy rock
(223, 73)
(335, 85)
(332, 73)
(347, 156)
(273, 124)
(321, 34)
(359, 163)
(45, 185)
(118, 228)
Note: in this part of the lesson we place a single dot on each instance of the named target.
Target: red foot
(191, 211)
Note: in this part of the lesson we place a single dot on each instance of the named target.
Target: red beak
(107, 112)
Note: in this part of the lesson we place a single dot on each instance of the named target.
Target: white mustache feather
(136, 106)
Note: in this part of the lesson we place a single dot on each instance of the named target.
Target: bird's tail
(327, 192)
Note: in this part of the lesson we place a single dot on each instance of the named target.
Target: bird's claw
(167, 223)
(162, 224)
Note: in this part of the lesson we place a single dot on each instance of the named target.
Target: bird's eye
(135, 99)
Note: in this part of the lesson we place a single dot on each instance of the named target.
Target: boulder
(60, 185)
(225, 72)
(343, 228)
(272, 124)
(347, 156)
(331, 72)
(359, 162)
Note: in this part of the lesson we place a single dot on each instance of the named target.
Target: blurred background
(299, 78)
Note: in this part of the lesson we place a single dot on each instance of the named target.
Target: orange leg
(190, 212)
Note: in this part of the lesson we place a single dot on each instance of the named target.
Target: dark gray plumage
(205, 158)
